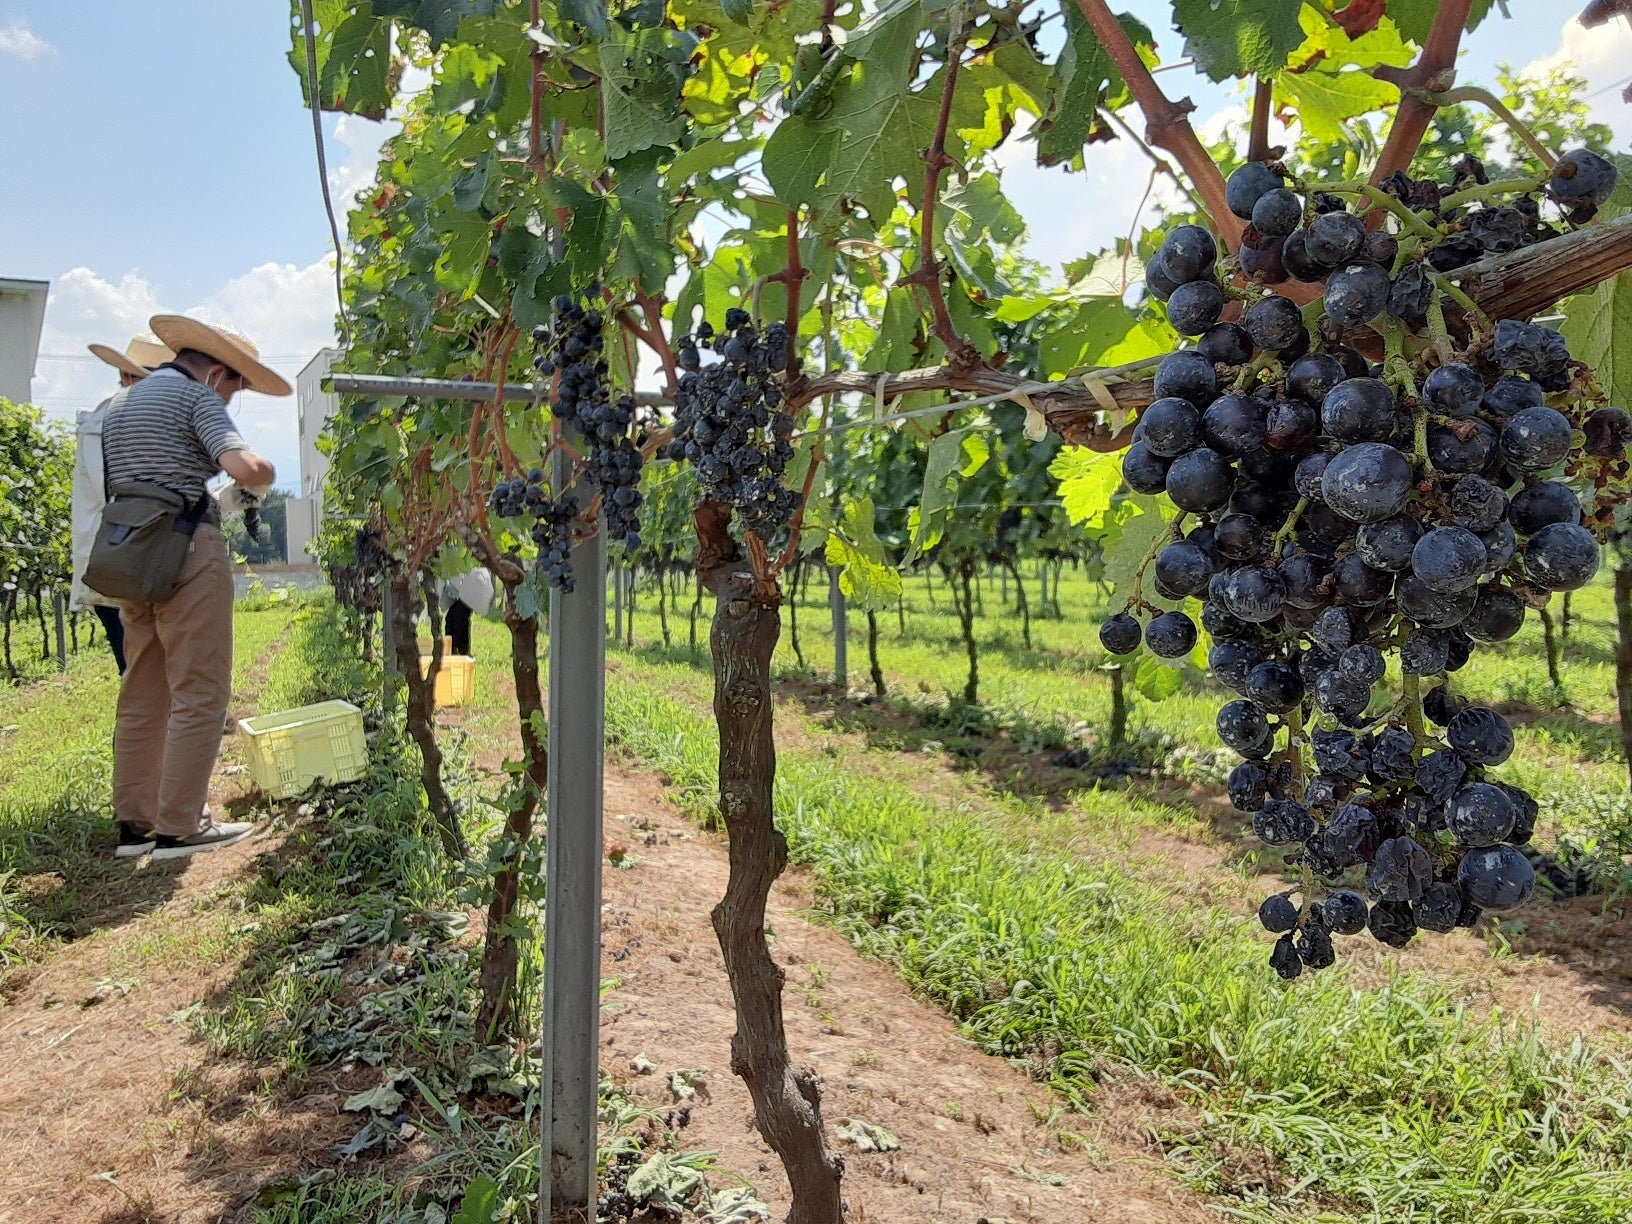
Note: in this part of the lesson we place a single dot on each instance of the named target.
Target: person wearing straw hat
(141, 357)
(172, 429)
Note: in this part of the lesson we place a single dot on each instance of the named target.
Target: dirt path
(104, 1115)
(979, 1140)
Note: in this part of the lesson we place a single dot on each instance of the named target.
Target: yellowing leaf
(1088, 483)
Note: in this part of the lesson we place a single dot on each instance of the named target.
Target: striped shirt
(167, 430)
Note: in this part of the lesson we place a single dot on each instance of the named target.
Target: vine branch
(1434, 70)
(1258, 141)
(1473, 93)
(960, 352)
(1167, 123)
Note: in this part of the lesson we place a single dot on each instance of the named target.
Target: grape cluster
(584, 402)
(527, 497)
(1346, 512)
(729, 423)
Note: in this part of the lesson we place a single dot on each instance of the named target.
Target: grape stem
(1458, 295)
(1437, 329)
(1487, 192)
(1288, 527)
(1413, 714)
(1408, 217)
(1472, 93)
(1137, 599)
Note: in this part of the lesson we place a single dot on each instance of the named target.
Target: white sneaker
(215, 835)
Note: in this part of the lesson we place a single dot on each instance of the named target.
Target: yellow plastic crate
(455, 679)
(425, 646)
(291, 749)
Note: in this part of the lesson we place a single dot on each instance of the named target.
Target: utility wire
(309, 28)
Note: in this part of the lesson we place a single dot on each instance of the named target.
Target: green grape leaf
(480, 1204)
(940, 464)
(976, 451)
(355, 69)
(739, 11)
(438, 18)
(643, 252)
(1236, 38)
(591, 14)
(1416, 17)
(633, 123)
(1598, 323)
(795, 158)
(1084, 78)
(1156, 679)
(464, 253)
(1139, 532)
(1088, 484)
(1324, 101)
(854, 549)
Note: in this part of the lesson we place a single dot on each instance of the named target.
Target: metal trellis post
(572, 897)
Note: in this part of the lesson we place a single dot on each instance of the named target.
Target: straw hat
(142, 355)
(225, 344)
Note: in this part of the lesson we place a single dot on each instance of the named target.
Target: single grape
(1278, 914)
(1535, 439)
(1391, 923)
(1255, 594)
(1226, 344)
(1495, 878)
(1456, 251)
(1248, 786)
(1242, 725)
(1496, 617)
(1411, 294)
(1501, 546)
(1311, 376)
(1307, 478)
(1434, 609)
(1509, 394)
(1380, 247)
(1607, 430)
(1367, 482)
(1194, 307)
(1561, 557)
(1439, 773)
(1334, 238)
(1121, 634)
(1314, 947)
(1292, 427)
(1183, 568)
(1425, 652)
(1359, 410)
(1356, 293)
(1296, 260)
(1304, 575)
(1439, 706)
(1280, 822)
(1189, 375)
(1277, 213)
(1170, 426)
(1172, 635)
(1346, 912)
(1275, 686)
(1479, 815)
(1454, 389)
(1449, 451)
(1160, 284)
(1476, 504)
(1284, 958)
(1400, 870)
(1448, 559)
(1388, 543)
(1542, 503)
(1480, 736)
(1439, 907)
(1497, 230)
(1582, 180)
(1235, 424)
(1200, 482)
(1240, 537)
(1260, 257)
(1274, 323)
(1143, 469)
(1188, 254)
(1232, 661)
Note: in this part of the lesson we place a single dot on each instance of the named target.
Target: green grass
(1386, 1105)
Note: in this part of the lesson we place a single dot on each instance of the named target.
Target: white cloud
(1603, 56)
(18, 41)
(288, 311)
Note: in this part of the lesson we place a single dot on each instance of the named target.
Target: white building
(22, 313)
(313, 407)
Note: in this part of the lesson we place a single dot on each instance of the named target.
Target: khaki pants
(173, 702)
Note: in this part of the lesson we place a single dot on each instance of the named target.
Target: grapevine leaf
(480, 1204)
(854, 549)
(590, 14)
(1416, 17)
(438, 18)
(1234, 38)
(632, 122)
(1084, 78)
(1598, 324)
(354, 63)
(1156, 680)
(643, 252)
(1124, 556)
(976, 451)
(1325, 100)
(795, 158)
(464, 253)
(1088, 483)
(940, 464)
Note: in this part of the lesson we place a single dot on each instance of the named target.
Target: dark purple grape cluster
(729, 422)
(528, 497)
(610, 426)
(1341, 513)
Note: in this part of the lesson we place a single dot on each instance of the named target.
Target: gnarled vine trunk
(499, 951)
(787, 1100)
(421, 712)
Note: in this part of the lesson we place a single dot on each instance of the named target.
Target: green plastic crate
(290, 750)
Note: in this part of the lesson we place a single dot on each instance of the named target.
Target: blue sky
(161, 160)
